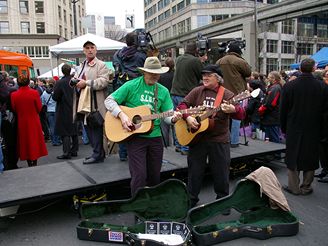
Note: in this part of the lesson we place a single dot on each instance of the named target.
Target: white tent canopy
(75, 46)
(52, 73)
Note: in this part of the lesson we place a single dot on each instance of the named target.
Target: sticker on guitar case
(115, 236)
(165, 228)
(177, 228)
(151, 227)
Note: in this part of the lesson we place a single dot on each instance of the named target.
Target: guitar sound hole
(136, 119)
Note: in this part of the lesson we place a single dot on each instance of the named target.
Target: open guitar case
(253, 214)
(161, 209)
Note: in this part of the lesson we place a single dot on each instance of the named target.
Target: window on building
(216, 18)
(187, 2)
(25, 27)
(161, 17)
(272, 1)
(181, 27)
(188, 24)
(59, 13)
(65, 32)
(260, 45)
(285, 64)
(202, 1)
(320, 46)
(65, 18)
(287, 47)
(167, 13)
(79, 11)
(45, 51)
(272, 65)
(322, 30)
(160, 5)
(167, 32)
(304, 49)
(174, 9)
(38, 51)
(273, 27)
(71, 20)
(272, 46)
(203, 20)
(40, 27)
(60, 30)
(175, 30)
(39, 7)
(30, 51)
(180, 5)
(305, 29)
(3, 7)
(23, 6)
(4, 27)
(288, 26)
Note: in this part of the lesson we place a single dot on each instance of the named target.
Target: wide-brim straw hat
(153, 65)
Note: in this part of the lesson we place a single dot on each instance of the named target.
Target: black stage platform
(49, 181)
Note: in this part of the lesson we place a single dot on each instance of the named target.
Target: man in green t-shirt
(145, 151)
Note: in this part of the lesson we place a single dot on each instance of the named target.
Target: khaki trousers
(294, 181)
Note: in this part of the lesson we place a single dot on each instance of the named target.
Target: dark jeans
(176, 101)
(218, 155)
(70, 144)
(273, 133)
(145, 161)
(95, 135)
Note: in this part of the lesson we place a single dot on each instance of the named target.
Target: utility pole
(256, 40)
(74, 16)
(77, 61)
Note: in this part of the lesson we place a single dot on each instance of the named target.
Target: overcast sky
(118, 8)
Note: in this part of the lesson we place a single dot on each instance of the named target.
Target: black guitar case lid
(167, 202)
(256, 219)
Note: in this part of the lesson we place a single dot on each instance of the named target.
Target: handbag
(44, 108)
(83, 106)
(94, 119)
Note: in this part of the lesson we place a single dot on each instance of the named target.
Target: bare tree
(115, 32)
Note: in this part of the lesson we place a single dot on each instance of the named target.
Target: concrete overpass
(272, 13)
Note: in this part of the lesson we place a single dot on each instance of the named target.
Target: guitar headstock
(241, 96)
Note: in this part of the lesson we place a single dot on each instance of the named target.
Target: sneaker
(321, 175)
(183, 152)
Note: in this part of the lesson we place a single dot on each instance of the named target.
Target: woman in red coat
(27, 105)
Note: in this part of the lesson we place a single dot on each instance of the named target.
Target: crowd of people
(291, 108)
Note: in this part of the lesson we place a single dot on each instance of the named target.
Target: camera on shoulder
(73, 82)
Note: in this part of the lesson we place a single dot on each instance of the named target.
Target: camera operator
(235, 70)
(126, 62)
(188, 73)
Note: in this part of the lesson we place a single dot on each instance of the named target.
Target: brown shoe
(285, 188)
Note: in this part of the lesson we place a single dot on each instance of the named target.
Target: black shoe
(74, 154)
(321, 175)
(323, 180)
(92, 161)
(285, 188)
(64, 157)
(234, 145)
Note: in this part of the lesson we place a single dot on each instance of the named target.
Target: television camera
(203, 44)
(223, 47)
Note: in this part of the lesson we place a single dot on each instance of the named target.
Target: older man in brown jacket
(94, 73)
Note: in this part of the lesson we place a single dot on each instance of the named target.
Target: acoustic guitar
(187, 136)
(141, 118)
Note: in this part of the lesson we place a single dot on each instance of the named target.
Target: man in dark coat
(65, 127)
(301, 110)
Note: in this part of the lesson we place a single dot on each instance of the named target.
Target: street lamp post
(74, 16)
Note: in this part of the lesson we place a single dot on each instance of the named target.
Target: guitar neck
(165, 114)
(214, 110)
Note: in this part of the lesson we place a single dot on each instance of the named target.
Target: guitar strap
(155, 98)
(219, 97)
